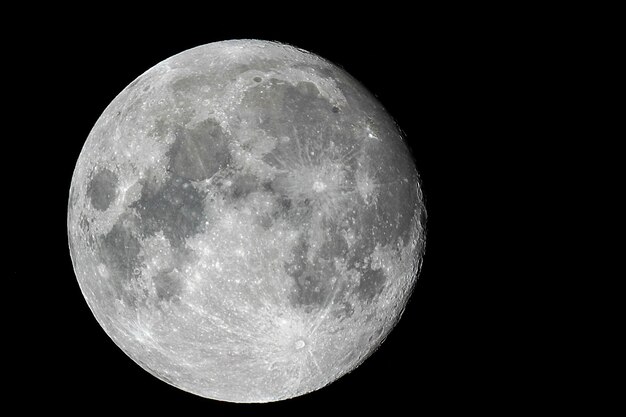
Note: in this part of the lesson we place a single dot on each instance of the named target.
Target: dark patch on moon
(296, 213)
(309, 289)
(313, 280)
(334, 245)
(284, 203)
(326, 72)
(310, 293)
(263, 64)
(345, 310)
(200, 152)
(316, 187)
(243, 185)
(266, 221)
(394, 213)
(371, 284)
(358, 97)
(168, 286)
(361, 248)
(282, 211)
(176, 209)
(119, 251)
(298, 264)
(160, 129)
(282, 109)
(102, 189)
(323, 71)
(191, 84)
(390, 217)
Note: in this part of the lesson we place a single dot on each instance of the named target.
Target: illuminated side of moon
(245, 221)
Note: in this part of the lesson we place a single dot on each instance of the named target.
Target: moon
(246, 222)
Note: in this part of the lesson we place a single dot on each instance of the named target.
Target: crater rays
(236, 232)
(316, 174)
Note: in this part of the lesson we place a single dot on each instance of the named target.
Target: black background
(437, 73)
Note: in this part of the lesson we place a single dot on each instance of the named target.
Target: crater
(199, 153)
(316, 175)
(85, 228)
(102, 189)
(308, 89)
(422, 216)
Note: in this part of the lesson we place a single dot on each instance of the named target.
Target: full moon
(245, 221)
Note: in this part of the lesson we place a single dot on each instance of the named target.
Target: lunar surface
(245, 221)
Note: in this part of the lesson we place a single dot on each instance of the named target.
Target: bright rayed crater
(245, 221)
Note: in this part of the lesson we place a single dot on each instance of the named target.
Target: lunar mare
(245, 221)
